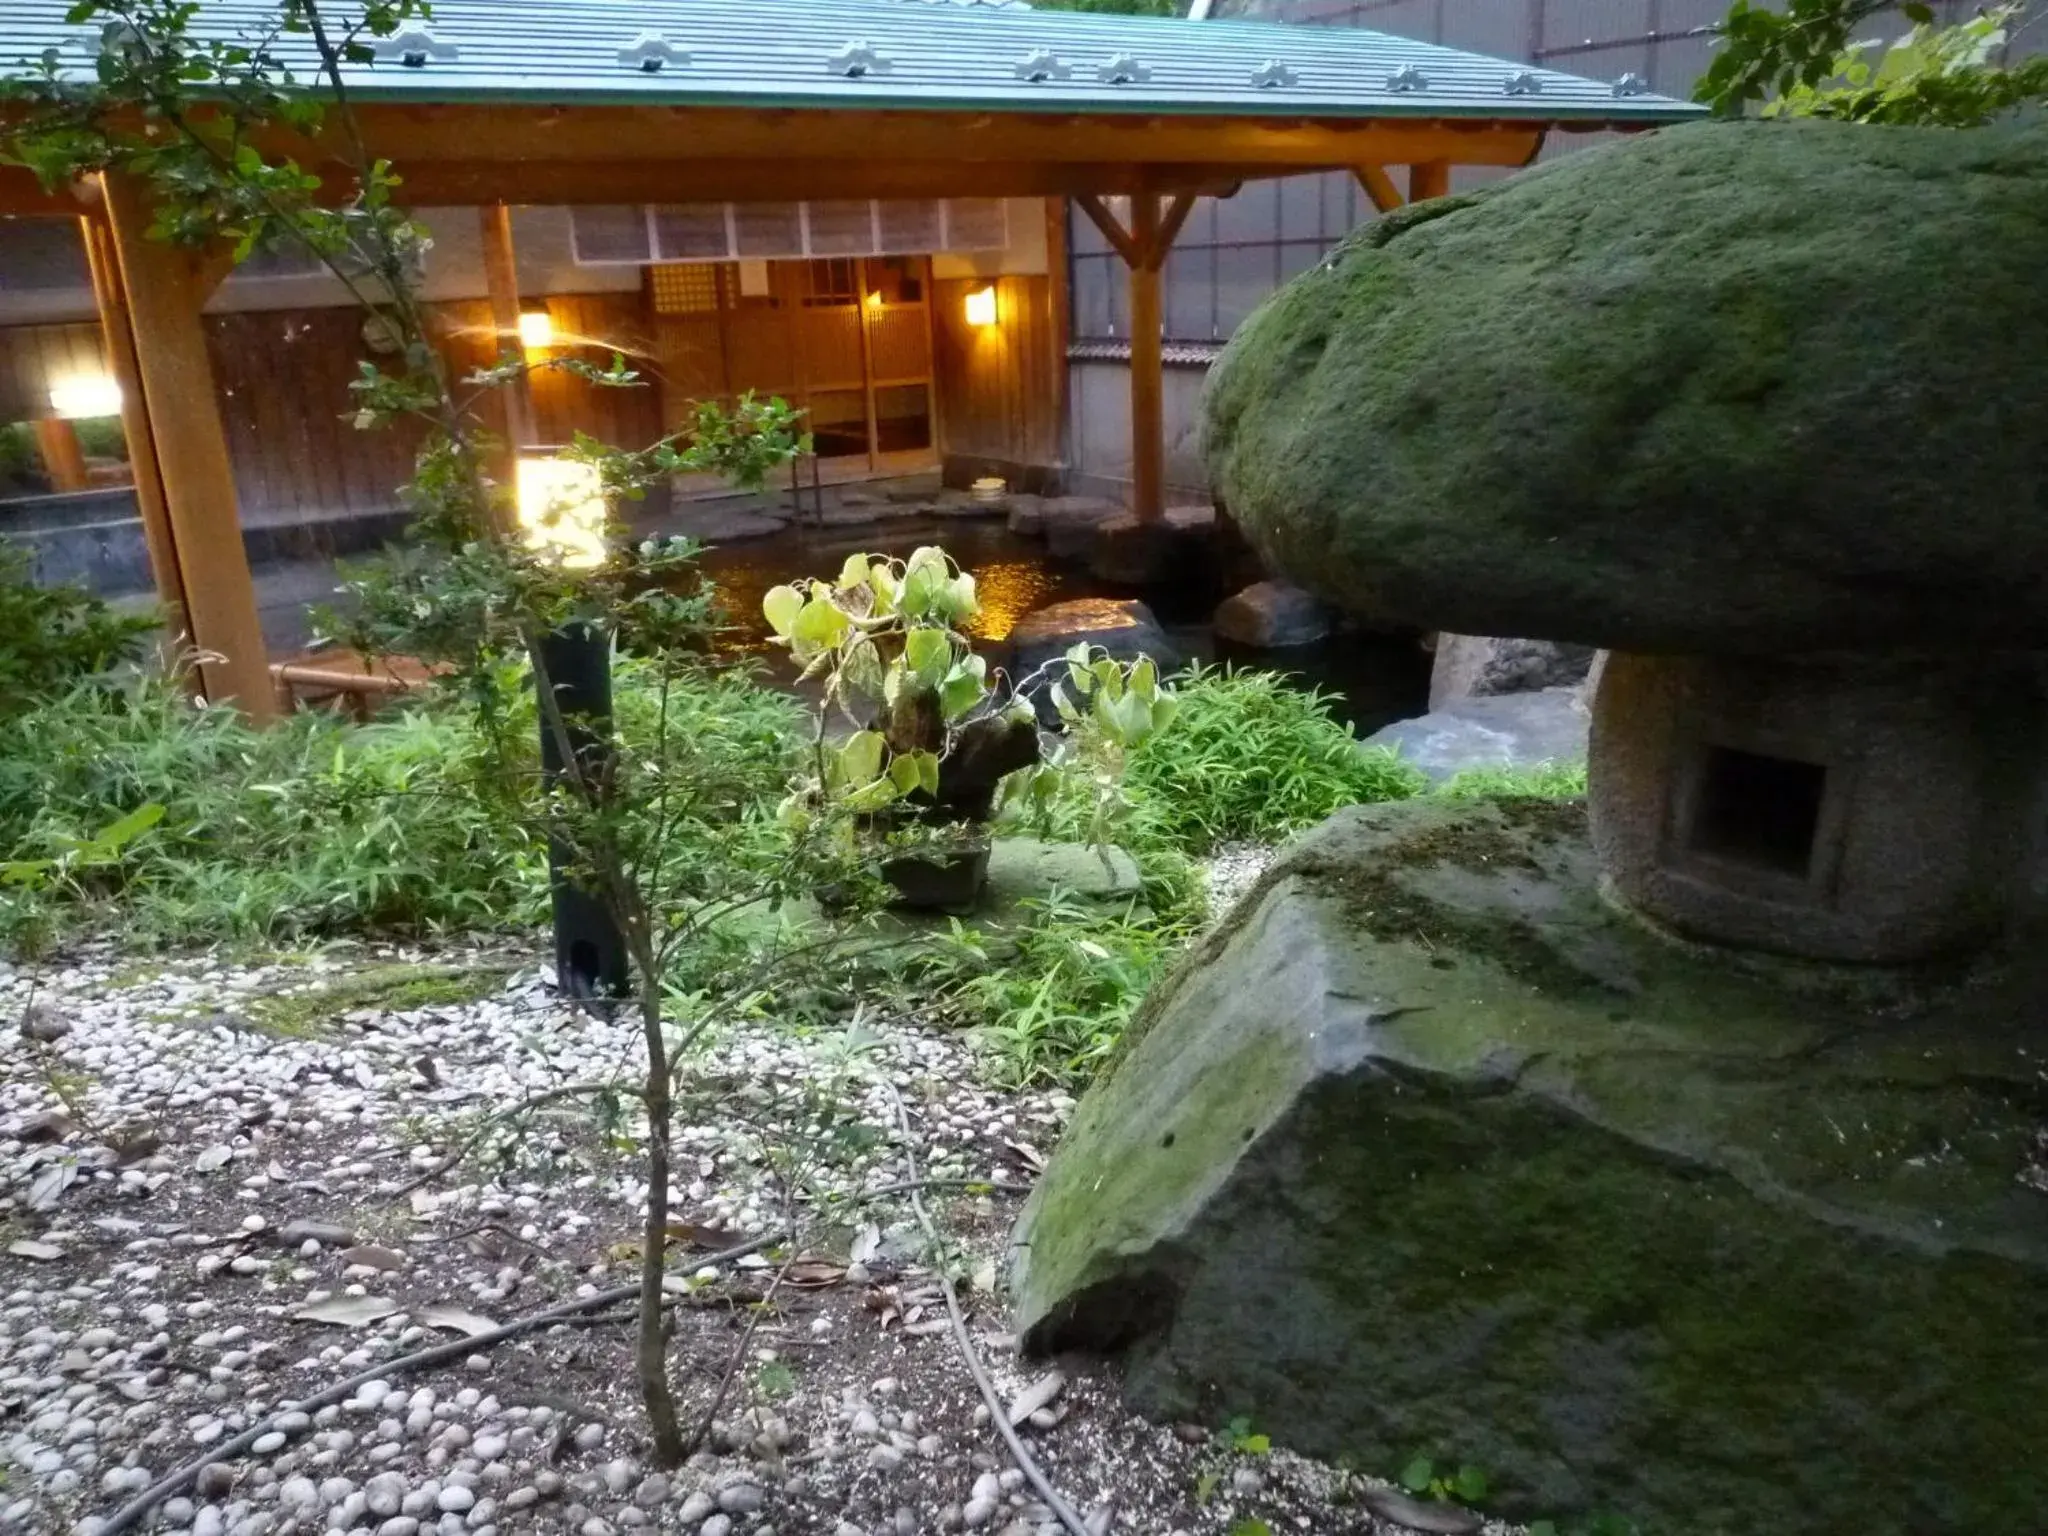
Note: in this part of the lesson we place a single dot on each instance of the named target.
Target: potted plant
(935, 744)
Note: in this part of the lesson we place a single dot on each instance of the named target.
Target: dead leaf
(813, 1274)
(370, 1256)
(867, 1245)
(455, 1320)
(925, 1330)
(49, 1185)
(132, 1145)
(51, 1125)
(984, 1277)
(428, 1069)
(364, 1077)
(714, 1239)
(29, 1248)
(348, 1311)
(1036, 1396)
(1030, 1157)
(212, 1158)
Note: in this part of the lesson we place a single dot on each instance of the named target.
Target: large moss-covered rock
(1427, 1150)
(1730, 387)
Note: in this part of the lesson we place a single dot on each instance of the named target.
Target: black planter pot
(942, 882)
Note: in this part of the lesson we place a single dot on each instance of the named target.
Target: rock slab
(1271, 616)
(1512, 730)
(1691, 392)
(1425, 1147)
(1482, 666)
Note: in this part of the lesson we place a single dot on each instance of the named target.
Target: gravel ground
(219, 1195)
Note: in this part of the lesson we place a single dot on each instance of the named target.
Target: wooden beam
(1379, 186)
(971, 143)
(1170, 227)
(1119, 238)
(1148, 365)
(564, 183)
(501, 281)
(1427, 179)
(165, 286)
(118, 336)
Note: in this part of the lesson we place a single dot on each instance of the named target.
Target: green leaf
(1253, 1527)
(781, 607)
(854, 573)
(1205, 1488)
(860, 758)
(1418, 1474)
(904, 774)
(1918, 14)
(129, 827)
(1470, 1484)
(821, 625)
(1543, 1528)
(929, 654)
(965, 686)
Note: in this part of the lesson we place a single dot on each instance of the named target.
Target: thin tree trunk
(651, 1351)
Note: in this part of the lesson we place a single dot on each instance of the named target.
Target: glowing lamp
(562, 512)
(875, 300)
(85, 397)
(981, 306)
(536, 330)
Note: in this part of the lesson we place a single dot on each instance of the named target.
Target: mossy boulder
(1427, 1150)
(1727, 388)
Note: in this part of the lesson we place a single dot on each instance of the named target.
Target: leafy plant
(1249, 758)
(1547, 781)
(932, 732)
(1465, 1484)
(775, 1380)
(53, 637)
(1238, 1432)
(1801, 53)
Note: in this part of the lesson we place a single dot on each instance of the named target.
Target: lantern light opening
(981, 306)
(562, 512)
(536, 330)
(85, 397)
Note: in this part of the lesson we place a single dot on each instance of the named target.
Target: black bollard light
(563, 512)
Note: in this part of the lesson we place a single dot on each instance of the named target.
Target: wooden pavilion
(590, 103)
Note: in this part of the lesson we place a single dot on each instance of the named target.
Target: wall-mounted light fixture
(536, 330)
(85, 396)
(981, 306)
(875, 299)
(562, 511)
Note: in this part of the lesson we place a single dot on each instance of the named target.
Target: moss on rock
(1431, 1151)
(1725, 388)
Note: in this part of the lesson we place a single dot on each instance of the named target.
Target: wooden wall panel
(999, 384)
(284, 381)
(33, 358)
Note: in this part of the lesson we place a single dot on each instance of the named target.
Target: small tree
(185, 111)
(1800, 60)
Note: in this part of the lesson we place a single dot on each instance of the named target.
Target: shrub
(53, 637)
(1251, 757)
(319, 827)
(1548, 781)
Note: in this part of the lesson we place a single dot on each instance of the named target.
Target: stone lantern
(1638, 1152)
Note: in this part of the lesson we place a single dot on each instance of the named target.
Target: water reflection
(1376, 678)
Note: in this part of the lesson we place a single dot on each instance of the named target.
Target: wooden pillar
(1144, 247)
(165, 286)
(1430, 179)
(1148, 366)
(118, 337)
(501, 279)
(1057, 444)
(63, 459)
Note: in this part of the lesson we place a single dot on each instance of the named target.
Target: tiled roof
(894, 53)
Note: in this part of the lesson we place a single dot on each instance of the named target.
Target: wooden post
(118, 337)
(1148, 367)
(165, 286)
(1379, 186)
(501, 278)
(1432, 178)
(63, 459)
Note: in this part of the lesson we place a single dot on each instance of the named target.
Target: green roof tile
(910, 53)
